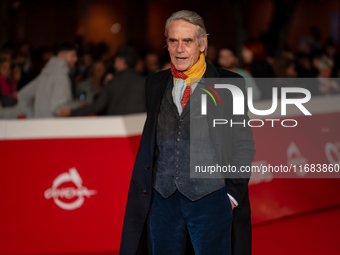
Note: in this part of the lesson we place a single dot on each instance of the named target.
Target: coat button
(147, 167)
(144, 193)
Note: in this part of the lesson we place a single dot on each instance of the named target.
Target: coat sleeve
(61, 95)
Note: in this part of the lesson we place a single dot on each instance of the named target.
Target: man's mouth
(180, 58)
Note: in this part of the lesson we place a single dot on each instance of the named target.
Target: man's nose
(180, 47)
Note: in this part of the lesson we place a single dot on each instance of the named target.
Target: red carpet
(316, 233)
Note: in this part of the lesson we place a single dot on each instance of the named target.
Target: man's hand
(64, 112)
(232, 204)
(81, 103)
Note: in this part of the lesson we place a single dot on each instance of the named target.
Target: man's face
(183, 44)
(99, 69)
(247, 55)
(119, 64)
(326, 72)
(226, 59)
(151, 62)
(70, 56)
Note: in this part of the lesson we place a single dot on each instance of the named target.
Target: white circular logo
(68, 193)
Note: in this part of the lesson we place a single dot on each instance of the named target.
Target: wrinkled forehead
(180, 29)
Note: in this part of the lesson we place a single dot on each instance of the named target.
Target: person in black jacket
(124, 94)
(167, 211)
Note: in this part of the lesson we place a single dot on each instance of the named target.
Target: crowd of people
(80, 80)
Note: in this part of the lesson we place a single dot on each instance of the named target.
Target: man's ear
(202, 47)
(166, 45)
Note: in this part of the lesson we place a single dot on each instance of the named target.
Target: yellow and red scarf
(183, 80)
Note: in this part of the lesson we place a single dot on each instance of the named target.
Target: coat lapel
(169, 96)
(211, 72)
(157, 95)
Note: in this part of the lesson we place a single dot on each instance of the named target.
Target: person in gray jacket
(45, 95)
(124, 94)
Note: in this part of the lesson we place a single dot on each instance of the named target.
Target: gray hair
(193, 18)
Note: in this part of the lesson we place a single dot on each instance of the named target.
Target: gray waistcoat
(171, 169)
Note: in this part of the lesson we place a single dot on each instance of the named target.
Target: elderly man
(166, 209)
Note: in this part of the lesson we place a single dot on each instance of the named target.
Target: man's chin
(181, 67)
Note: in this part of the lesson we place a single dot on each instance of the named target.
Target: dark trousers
(207, 220)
